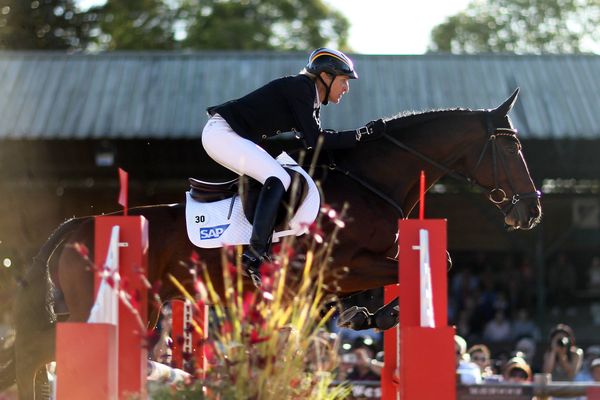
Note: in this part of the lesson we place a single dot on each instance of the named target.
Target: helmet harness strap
(327, 87)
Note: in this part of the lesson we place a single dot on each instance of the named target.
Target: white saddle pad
(210, 225)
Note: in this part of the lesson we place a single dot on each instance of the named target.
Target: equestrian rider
(234, 133)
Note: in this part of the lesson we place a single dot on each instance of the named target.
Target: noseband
(496, 195)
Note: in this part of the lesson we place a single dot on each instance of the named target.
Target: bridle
(496, 195)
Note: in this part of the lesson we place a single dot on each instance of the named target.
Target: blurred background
(88, 86)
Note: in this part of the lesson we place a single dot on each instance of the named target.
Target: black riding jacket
(282, 105)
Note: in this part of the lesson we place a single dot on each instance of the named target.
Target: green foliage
(135, 25)
(154, 25)
(520, 26)
(41, 24)
(263, 24)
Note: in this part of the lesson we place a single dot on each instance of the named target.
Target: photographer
(563, 358)
(359, 365)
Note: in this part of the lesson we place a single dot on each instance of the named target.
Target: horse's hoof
(386, 320)
(254, 277)
(356, 318)
(256, 280)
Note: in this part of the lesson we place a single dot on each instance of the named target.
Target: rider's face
(340, 86)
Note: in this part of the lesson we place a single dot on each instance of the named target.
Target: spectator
(562, 281)
(590, 354)
(467, 372)
(595, 369)
(359, 365)
(463, 283)
(526, 346)
(480, 355)
(517, 370)
(498, 329)
(563, 358)
(523, 326)
(594, 274)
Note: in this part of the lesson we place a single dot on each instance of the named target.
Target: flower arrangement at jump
(266, 343)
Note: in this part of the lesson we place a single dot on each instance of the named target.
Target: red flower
(316, 231)
(226, 328)
(250, 312)
(210, 353)
(195, 257)
(268, 268)
(81, 249)
(255, 338)
(267, 285)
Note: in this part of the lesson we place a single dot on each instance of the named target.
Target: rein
(333, 167)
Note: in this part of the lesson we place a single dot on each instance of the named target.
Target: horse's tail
(34, 294)
(8, 373)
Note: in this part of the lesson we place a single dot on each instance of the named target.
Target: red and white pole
(422, 342)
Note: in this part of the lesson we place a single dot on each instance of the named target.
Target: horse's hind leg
(77, 283)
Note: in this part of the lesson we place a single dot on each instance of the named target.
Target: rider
(236, 130)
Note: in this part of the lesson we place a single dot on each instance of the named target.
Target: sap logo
(213, 232)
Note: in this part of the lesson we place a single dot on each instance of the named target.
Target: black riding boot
(267, 206)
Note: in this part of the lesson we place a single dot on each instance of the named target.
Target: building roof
(45, 95)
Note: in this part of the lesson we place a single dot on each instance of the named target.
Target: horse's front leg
(360, 318)
(368, 272)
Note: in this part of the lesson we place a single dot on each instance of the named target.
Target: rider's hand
(371, 131)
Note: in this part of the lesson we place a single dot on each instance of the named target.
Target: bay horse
(378, 179)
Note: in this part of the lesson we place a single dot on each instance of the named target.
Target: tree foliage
(171, 24)
(521, 26)
(41, 24)
(134, 25)
(263, 24)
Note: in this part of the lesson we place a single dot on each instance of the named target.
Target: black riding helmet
(332, 62)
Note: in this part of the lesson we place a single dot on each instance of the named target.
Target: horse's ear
(504, 108)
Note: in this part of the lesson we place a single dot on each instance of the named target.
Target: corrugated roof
(164, 95)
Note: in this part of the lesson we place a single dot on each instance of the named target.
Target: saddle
(248, 190)
(221, 211)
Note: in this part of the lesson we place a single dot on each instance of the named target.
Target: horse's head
(501, 170)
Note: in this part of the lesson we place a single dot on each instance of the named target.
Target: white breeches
(238, 154)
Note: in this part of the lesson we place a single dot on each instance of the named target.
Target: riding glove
(371, 131)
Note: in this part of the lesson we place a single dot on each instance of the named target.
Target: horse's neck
(396, 173)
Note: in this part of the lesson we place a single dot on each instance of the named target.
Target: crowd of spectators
(492, 300)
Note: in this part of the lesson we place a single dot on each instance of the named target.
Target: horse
(379, 180)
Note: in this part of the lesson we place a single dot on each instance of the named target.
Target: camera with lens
(563, 342)
(349, 358)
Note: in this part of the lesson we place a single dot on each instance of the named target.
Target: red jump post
(415, 354)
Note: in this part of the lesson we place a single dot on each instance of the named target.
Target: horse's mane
(407, 119)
